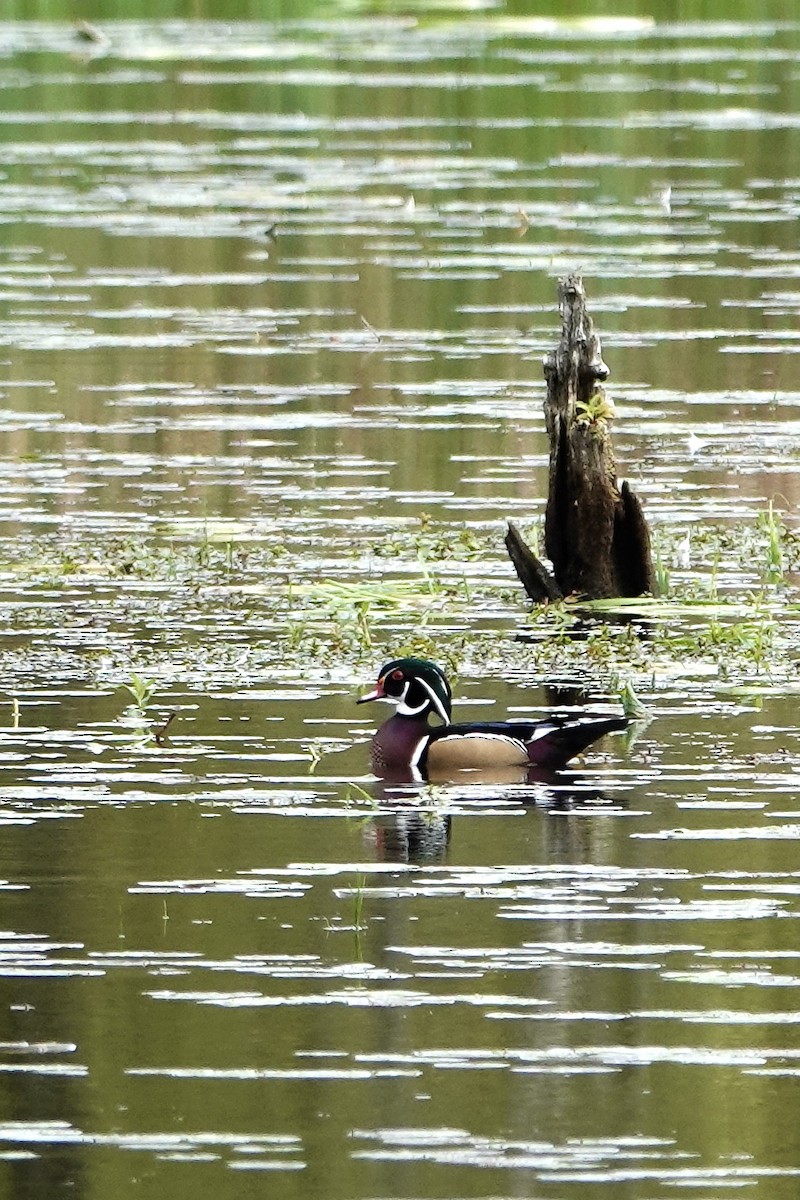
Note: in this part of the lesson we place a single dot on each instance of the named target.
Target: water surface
(273, 301)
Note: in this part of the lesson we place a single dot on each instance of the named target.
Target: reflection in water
(409, 836)
(415, 823)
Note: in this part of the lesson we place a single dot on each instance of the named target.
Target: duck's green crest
(416, 685)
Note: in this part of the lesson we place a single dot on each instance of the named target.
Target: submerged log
(595, 533)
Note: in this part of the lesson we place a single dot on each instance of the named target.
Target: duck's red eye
(396, 675)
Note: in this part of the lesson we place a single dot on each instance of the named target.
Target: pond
(274, 296)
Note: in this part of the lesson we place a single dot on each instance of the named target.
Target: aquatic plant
(662, 575)
(632, 706)
(250, 606)
(358, 903)
(142, 690)
(315, 751)
(774, 531)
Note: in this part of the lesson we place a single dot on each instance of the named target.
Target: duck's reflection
(409, 835)
(416, 822)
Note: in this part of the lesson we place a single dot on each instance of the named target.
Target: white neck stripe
(436, 701)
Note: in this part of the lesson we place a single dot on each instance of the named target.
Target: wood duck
(407, 744)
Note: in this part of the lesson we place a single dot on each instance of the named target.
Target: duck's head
(418, 687)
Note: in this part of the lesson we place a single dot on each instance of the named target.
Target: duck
(408, 745)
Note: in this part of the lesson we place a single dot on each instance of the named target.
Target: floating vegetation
(247, 603)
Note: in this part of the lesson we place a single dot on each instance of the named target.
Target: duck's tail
(558, 739)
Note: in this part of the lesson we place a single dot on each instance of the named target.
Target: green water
(275, 286)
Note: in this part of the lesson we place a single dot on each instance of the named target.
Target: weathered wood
(632, 551)
(595, 532)
(533, 574)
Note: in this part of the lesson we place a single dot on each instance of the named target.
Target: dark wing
(555, 740)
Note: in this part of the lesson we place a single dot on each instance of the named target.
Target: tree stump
(595, 533)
